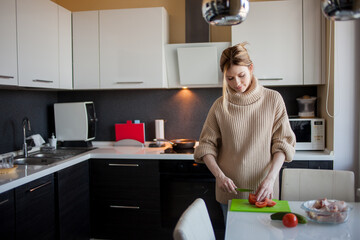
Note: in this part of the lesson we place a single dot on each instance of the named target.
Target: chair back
(194, 223)
(311, 184)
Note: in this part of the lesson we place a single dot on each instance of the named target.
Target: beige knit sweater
(244, 139)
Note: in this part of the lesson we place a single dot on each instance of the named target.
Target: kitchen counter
(105, 150)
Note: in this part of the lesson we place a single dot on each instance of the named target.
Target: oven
(181, 182)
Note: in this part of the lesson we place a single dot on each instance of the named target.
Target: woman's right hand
(226, 184)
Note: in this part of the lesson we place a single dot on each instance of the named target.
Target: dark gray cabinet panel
(125, 199)
(73, 202)
(35, 209)
(7, 215)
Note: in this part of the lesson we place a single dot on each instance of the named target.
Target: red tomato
(261, 204)
(290, 220)
(252, 198)
(270, 203)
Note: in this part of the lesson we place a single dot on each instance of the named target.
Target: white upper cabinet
(86, 50)
(132, 48)
(8, 57)
(38, 41)
(313, 39)
(274, 33)
(65, 49)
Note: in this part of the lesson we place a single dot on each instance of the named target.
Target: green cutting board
(243, 205)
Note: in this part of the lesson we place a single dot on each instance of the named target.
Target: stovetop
(179, 151)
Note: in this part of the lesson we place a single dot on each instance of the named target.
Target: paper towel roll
(159, 129)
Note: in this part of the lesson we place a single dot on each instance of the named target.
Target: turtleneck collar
(248, 97)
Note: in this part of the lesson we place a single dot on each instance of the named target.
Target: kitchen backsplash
(184, 110)
(17, 104)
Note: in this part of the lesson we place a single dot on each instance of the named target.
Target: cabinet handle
(123, 165)
(125, 207)
(5, 76)
(139, 82)
(40, 186)
(271, 79)
(43, 81)
(5, 201)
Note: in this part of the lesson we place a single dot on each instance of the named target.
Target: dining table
(259, 225)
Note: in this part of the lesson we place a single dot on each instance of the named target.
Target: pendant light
(340, 10)
(225, 12)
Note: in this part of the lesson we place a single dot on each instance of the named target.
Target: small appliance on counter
(75, 123)
(306, 106)
(309, 132)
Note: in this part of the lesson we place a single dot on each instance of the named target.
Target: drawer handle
(125, 207)
(123, 165)
(138, 82)
(40, 186)
(43, 81)
(7, 77)
(5, 201)
(271, 79)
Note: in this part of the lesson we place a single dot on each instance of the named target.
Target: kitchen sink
(48, 157)
(35, 161)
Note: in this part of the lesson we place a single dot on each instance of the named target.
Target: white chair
(310, 184)
(194, 223)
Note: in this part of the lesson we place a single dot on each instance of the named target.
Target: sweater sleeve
(209, 138)
(283, 138)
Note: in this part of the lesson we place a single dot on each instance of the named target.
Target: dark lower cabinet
(73, 205)
(7, 215)
(125, 199)
(35, 209)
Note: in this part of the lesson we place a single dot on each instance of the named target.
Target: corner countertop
(106, 150)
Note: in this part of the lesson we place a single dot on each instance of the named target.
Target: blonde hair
(235, 55)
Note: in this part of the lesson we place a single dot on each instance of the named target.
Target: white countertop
(105, 150)
(260, 226)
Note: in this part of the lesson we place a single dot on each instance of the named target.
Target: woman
(247, 136)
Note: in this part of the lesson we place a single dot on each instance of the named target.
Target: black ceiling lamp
(225, 12)
(341, 10)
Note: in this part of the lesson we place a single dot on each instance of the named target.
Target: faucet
(25, 122)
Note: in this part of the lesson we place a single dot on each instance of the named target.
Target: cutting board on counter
(243, 205)
(129, 130)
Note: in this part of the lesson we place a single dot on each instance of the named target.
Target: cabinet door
(313, 38)
(35, 209)
(274, 33)
(38, 41)
(7, 216)
(65, 49)
(8, 58)
(132, 48)
(321, 165)
(125, 199)
(86, 49)
(73, 202)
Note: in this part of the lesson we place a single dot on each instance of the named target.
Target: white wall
(346, 96)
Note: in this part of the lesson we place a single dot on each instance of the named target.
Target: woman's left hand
(265, 190)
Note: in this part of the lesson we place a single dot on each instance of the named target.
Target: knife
(244, 190)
